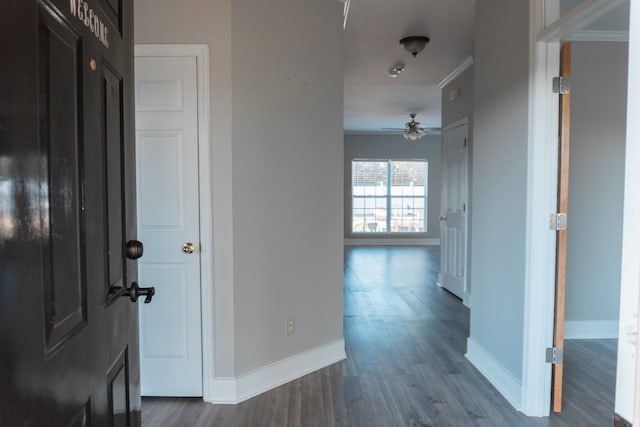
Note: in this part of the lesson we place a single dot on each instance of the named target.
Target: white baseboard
(503, 380)
(236, 390)
(222, 391)
(590, 330)
(391, 241)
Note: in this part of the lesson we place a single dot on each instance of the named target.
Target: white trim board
(599, 36)
(391, 241)
(495, 373)
(627, 402)
(541, 199)
(201, 53)
(576, 19)
(590, 329)
(236, 390)
(455, 73)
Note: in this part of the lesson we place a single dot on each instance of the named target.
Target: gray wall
(276, 143)
(499, 180)
(395, 147)
(209, 22)
(287, 170)
(598, 121)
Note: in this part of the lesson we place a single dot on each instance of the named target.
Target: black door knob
(135, 248)
(136, 291)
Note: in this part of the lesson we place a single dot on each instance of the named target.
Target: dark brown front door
(68, 335)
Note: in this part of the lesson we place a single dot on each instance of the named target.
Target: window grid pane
(369, 214)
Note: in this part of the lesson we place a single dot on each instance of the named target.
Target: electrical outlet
(290, 328)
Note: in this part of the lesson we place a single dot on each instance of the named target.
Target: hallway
(405, 366)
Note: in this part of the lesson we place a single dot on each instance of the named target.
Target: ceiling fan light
(414, 44)
(413, 131)
(412, 135)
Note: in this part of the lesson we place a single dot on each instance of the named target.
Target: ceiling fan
(413, 130)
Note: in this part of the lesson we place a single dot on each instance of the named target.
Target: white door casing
(168, 218)
(454, 205)
(542, 192)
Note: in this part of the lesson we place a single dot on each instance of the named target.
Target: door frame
(544, 55)
(201, 53)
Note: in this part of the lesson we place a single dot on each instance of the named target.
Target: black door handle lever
(136, 291)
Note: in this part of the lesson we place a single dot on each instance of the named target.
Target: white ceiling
(372, 99)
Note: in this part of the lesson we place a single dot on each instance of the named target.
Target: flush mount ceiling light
(414, 44)
(396, 69)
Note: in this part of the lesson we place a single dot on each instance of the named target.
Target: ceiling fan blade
(413, 128)
(432, 131)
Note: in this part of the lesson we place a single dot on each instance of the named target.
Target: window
(378, 207)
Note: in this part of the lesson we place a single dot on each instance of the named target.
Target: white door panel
(169, 281)
(160, 161)
(168, 206)
(453, 220)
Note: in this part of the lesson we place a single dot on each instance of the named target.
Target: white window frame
(389, 196)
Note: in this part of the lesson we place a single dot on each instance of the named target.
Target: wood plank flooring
(405, 366)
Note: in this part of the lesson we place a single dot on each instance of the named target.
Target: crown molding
(599, 36)
(455, 73)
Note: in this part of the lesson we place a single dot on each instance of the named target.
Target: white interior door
(453, 219)
(168, 224)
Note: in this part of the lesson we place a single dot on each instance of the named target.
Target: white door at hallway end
(168, 224)
(453, 219)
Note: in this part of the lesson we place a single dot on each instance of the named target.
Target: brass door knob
(188, 248)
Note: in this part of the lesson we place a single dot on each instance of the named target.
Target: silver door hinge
(554, 356)
(561, 85)
(558, 221)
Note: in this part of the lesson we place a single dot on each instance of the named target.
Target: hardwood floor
(405, 341)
